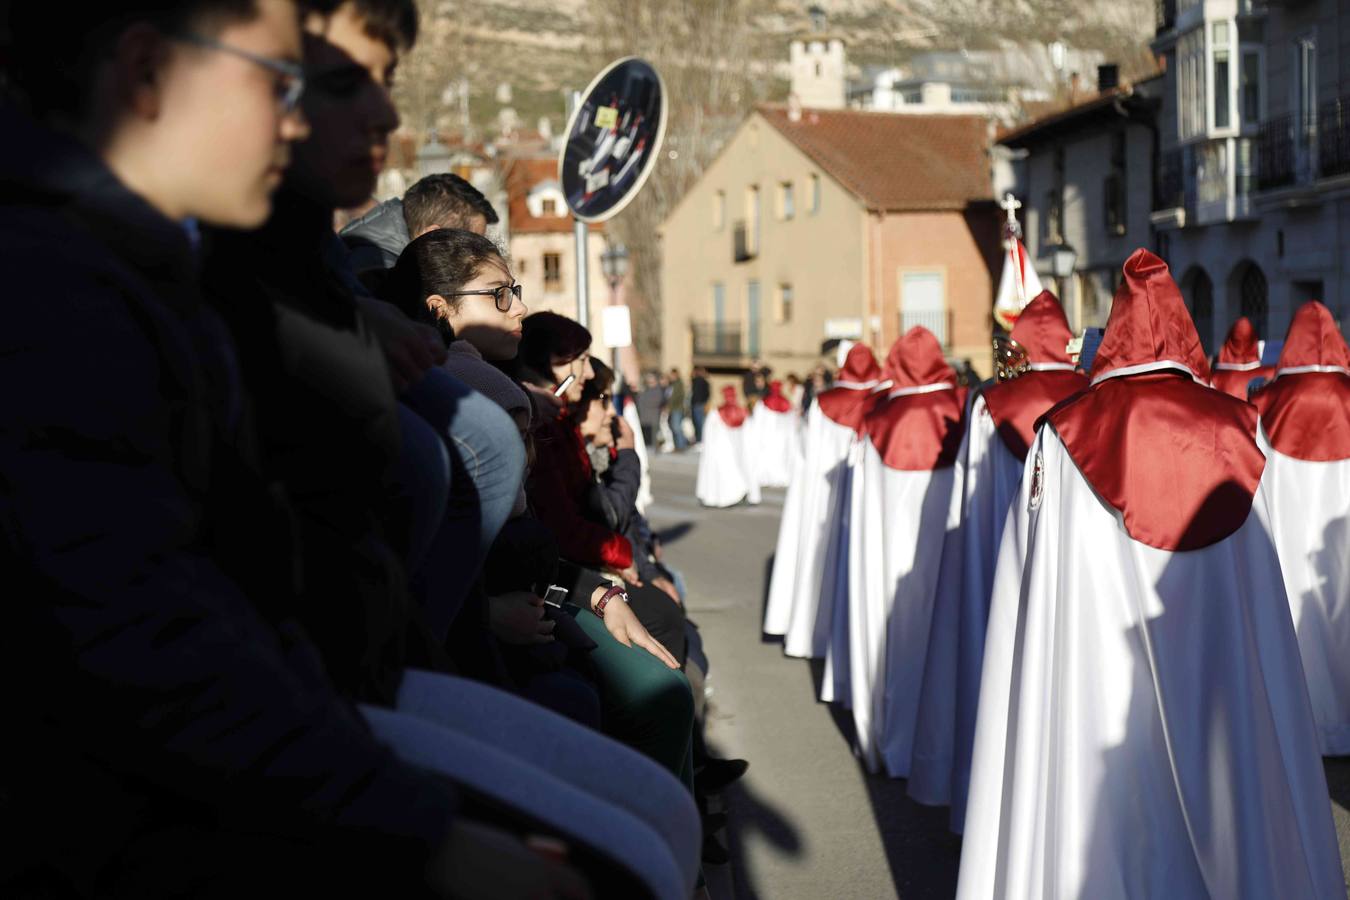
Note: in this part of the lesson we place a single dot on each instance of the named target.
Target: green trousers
(644, 704)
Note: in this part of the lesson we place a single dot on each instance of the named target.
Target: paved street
(806, 821)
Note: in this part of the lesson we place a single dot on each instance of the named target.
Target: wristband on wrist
(610, 594)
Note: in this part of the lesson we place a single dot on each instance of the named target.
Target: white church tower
(817, 63)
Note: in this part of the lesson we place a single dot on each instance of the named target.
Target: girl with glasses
(460, 282)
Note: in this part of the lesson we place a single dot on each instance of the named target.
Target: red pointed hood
(1043, 332)
(1305, 411)
(1314, 343)
(1016, 405)
(860, 368)
(732, 413)
(1149, 328)
(1239, 361)
(775, 400)
(918, 426)
(1241, 348)
(1179, 462)
(916, 361)
(854, 389)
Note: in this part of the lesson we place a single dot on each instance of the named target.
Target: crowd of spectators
(324, 561)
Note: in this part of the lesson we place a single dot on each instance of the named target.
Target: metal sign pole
(614, 134)
(579, 235)
(579, 239)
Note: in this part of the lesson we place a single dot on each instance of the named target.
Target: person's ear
(439, 307)
(140, 59)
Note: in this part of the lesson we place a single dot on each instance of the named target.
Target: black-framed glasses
(501, 295)
(290, 84)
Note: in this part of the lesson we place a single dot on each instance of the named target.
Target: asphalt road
(806, 821)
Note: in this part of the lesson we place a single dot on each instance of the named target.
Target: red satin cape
(1178, 461)
(1016, 405)
(775, 400)
(732, 413)
(1306, 415)
(848, 406)
(1240, 348)
(918, 431)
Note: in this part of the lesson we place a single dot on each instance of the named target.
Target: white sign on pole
(617, 327)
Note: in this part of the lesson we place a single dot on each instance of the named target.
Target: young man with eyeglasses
(171, 729)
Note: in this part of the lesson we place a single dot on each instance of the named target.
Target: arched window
(1199, 291)
(1252, 292)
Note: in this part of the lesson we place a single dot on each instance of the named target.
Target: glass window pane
(1250, 82)
(1222, 100)
(1220, 34)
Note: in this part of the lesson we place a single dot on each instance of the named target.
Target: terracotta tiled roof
(894, 162)
(522, 175)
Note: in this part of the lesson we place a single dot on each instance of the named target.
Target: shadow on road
(1338, 779)
(673, 533)
(750, 813)
(923, 855)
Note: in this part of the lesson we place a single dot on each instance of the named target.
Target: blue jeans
(421, 484)
(698, 414)
(487, 464)
(591, 789)
(677, 428)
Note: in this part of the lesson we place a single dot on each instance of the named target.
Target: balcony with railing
(1333, 138)
(1205, 182)
(1286, 149)
(718, 343)
(1298, 150)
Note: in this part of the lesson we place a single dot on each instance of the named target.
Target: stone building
(814, 226)
(1252, 208)
(1085, 178)
(542, 243)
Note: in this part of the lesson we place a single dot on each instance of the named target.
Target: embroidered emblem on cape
(1037, 483)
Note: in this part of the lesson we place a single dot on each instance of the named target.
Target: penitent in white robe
(898, 524)
(1126, 748)
(1310, 522)
(787, 553)
(989, 479)
(801, 594)
(776, 442)
(724, 473)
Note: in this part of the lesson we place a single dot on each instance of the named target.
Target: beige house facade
(819, 226)
(543, 244)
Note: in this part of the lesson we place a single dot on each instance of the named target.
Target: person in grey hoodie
(443, 200)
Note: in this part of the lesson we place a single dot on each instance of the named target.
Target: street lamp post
(614, 263)
(1063, 261)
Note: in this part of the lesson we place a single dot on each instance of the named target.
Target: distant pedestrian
(675, 405)
(755, 382)
(650, 400)
(700, 392)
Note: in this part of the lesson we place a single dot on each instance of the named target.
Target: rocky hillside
(518, 57)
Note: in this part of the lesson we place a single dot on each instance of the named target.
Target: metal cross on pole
(1010, 206)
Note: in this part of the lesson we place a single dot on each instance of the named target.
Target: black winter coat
(168, 725)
